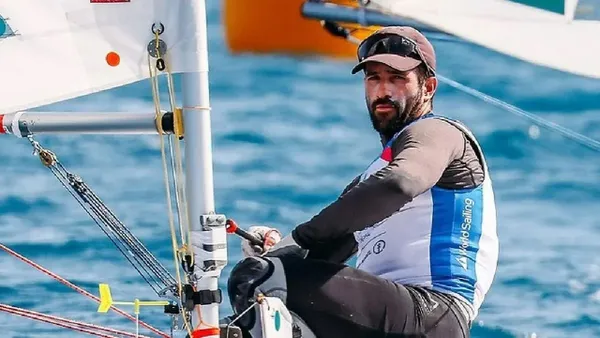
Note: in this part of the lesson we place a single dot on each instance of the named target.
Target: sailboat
(64, 49)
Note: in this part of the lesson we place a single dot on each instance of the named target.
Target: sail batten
(531, 34)
(61, 49)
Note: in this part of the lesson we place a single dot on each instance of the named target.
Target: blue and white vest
(442, 239)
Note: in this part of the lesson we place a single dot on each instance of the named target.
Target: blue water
(288, 135)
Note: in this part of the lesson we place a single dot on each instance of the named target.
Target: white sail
(53, 50)
(531, 34)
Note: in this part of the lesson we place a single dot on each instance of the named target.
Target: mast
(208, 230)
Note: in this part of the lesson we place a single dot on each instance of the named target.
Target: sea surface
(289, 134)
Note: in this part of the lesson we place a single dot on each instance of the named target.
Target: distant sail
(53, 50)
(539, 36)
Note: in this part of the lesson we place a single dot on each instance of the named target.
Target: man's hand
(269, 237)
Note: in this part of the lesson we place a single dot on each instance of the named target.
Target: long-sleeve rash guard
(426, 153)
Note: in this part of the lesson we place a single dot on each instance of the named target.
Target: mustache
(384, 100)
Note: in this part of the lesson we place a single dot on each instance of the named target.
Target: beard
(405, 111)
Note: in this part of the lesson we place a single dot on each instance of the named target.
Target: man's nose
(384, 89)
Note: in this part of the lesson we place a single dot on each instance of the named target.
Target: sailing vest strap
(202, 297)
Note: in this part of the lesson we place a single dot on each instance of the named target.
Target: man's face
(393, 97)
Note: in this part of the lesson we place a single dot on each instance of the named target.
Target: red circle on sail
(113, 59)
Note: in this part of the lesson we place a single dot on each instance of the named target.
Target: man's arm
(341, 249)
(350, 185)
(420, 155)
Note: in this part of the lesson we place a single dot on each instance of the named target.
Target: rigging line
(116, 226)
(74, 184)
(176, 183)
(127, 236)
(156, 99)
(180, 189)
(119, 231)
(179, 195)
(179, 198)
(95, 217)
(177, 164)
(178, 172)
(57, 323)
(92, 329)
(181, 206)
(155, 94)
(92, 216)
(139, 260)
(568, 133)
(75, 287)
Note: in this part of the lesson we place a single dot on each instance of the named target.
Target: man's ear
(429, 87)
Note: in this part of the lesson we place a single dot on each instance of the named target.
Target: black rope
(142, 260)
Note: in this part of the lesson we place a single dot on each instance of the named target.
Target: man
(421, 218)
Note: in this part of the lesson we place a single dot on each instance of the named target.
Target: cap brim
(397, 62)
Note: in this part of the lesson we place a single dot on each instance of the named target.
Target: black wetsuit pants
(337, 301)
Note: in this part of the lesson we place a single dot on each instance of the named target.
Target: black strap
(192, 298)
(205, 297)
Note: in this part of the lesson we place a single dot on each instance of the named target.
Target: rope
(568, 133)
(91, 329)
(156, 99)
(177, 170)
(155, 95)
(196, 108)
(77, 288)
(179, 173)
(156, 275)
(178, 162)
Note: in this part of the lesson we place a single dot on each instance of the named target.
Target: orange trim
(199, 333)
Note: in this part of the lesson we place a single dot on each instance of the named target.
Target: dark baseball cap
(400, 47)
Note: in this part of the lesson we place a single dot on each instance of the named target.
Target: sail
(53, 50)
(560, 41)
